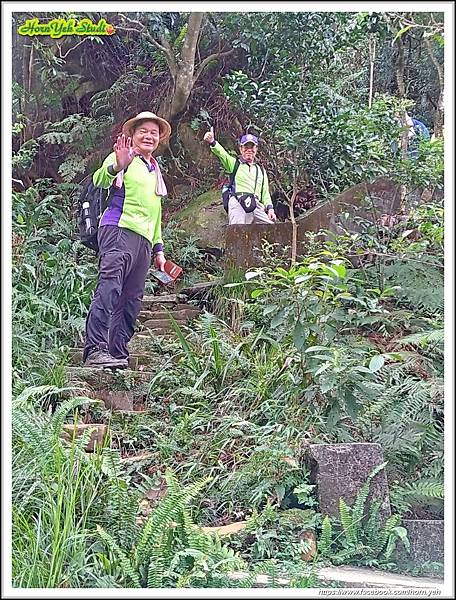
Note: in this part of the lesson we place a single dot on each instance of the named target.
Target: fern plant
(361, 538)
(406, 418)
(170, 551)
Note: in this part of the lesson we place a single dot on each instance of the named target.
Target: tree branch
(208, 59)
(71, 49)
(436, 27)
(434, 60)
(163, 47)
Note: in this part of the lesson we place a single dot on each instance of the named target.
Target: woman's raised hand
(124, 152)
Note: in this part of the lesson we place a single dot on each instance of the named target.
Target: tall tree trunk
(400, 68)
(27, 68)
(372, 63)
(182, 71)
(439, 114)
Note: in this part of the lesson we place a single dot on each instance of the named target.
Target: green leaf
(340, 269)
(327, 383)
(401, 533)
(352, 405)
(332, 270)
(299, 335)
(303, 491)
(322, 368)
(232, 285)
(302, 278)
(278, 319)
(269, 308)
(251, 274)
(361, 369)
(316, 348)
(376, 363)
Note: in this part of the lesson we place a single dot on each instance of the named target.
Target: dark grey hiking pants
(123, 261)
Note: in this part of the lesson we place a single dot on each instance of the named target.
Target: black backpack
(92, 203)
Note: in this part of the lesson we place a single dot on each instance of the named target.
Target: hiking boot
(102, 359)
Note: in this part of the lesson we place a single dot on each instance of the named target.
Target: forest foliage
(346, 345)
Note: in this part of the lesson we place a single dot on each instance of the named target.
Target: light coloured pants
(238, 216)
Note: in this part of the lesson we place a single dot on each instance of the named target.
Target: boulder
(205, 218)
(426, 539)
(340, 471)
(98, 432)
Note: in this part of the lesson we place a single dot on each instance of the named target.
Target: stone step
(144, 340)
(138, 458)
(162, 332)
(116, 400)
(359, 577)
(97, 383)
(136, 361)
(426, 539)
(160, 326)
(150, 302)
(179, 315)
(71, 431)
(199, 289)
(131, 413)
(140, 343)
(153, 308)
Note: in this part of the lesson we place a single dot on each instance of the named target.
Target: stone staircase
(123, 391)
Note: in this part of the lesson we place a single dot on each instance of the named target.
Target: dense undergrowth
(324, 351)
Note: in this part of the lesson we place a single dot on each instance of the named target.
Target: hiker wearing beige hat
(129, 235)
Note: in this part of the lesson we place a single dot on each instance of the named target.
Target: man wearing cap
(250, 201)
(129, 235)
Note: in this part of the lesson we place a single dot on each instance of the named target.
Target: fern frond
(396, 533)
(344, 556)
(346, 520)
(111, 464)
(423, 488)
(360, 502)
(58, 418)
(167, 512)
(31, 431)
(373, 524)
(325, 541)
(385, 533)
(423, 338)
(124, 561)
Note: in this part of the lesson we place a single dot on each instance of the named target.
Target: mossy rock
(205, 218)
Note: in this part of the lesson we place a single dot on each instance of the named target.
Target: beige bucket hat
(164, 126)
